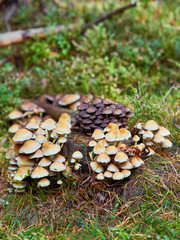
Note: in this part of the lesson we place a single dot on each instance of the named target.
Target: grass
(132, 58)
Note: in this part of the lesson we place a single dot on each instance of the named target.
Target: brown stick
(21, 35)
(108, 15)
(52, 110)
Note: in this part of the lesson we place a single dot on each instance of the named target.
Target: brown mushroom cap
(65, 116)
(49, 148)
(28, 106)
(15, 115)
(151, 125)
(39, 172)
(22, 135)
(68, 99)
(29, 147)
(136, 138)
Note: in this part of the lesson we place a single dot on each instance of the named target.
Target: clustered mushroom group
(36, 152)
(97, 113)
(110, 157)
(153, 135)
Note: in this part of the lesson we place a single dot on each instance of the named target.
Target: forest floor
(132, 58)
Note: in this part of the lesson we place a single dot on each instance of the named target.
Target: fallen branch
(108, 15)
(21, 35)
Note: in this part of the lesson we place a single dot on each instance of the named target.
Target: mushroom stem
(47, 134)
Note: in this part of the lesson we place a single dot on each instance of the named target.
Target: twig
(21, 35)
(108, 15)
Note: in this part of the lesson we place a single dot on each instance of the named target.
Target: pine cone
(97, 113)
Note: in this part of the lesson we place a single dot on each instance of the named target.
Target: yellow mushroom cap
(77, 166)
(126, 165)
(98, 134)
(65, 116)
(14, 128)
(39, 172)
(40, 138)
(96, 167)
(158, 138)
(148, 135)
(108, 174)
(136, 161)
(77, 155)
(167, 143)
(125, 134)
(100, 176)
(121, 157)
(163, 131)
(151, 125)
(92, 143)
(126, 173)
(38, 154)
(117, 176)
(32, 124)
(104, 142)
(63, 129)
(57, 166)
(49, 148)
(111, 150)
(48, 124)
(15, 115)
(44, 162)
(22, 172)
(59, 158)
(22, 135)
(68, 99)
(44, 182)
(23, 160)
(29, 147)
(111, 126)
(103, 158)
(99, 148)
(112, 168)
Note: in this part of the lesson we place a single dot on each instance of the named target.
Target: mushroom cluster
(97, 113)
(20, 118)
(110, 157)
(36, 152)
(153, 135)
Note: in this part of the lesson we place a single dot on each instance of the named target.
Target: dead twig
(108, 15)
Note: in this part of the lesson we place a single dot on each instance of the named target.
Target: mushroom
(44, 182)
